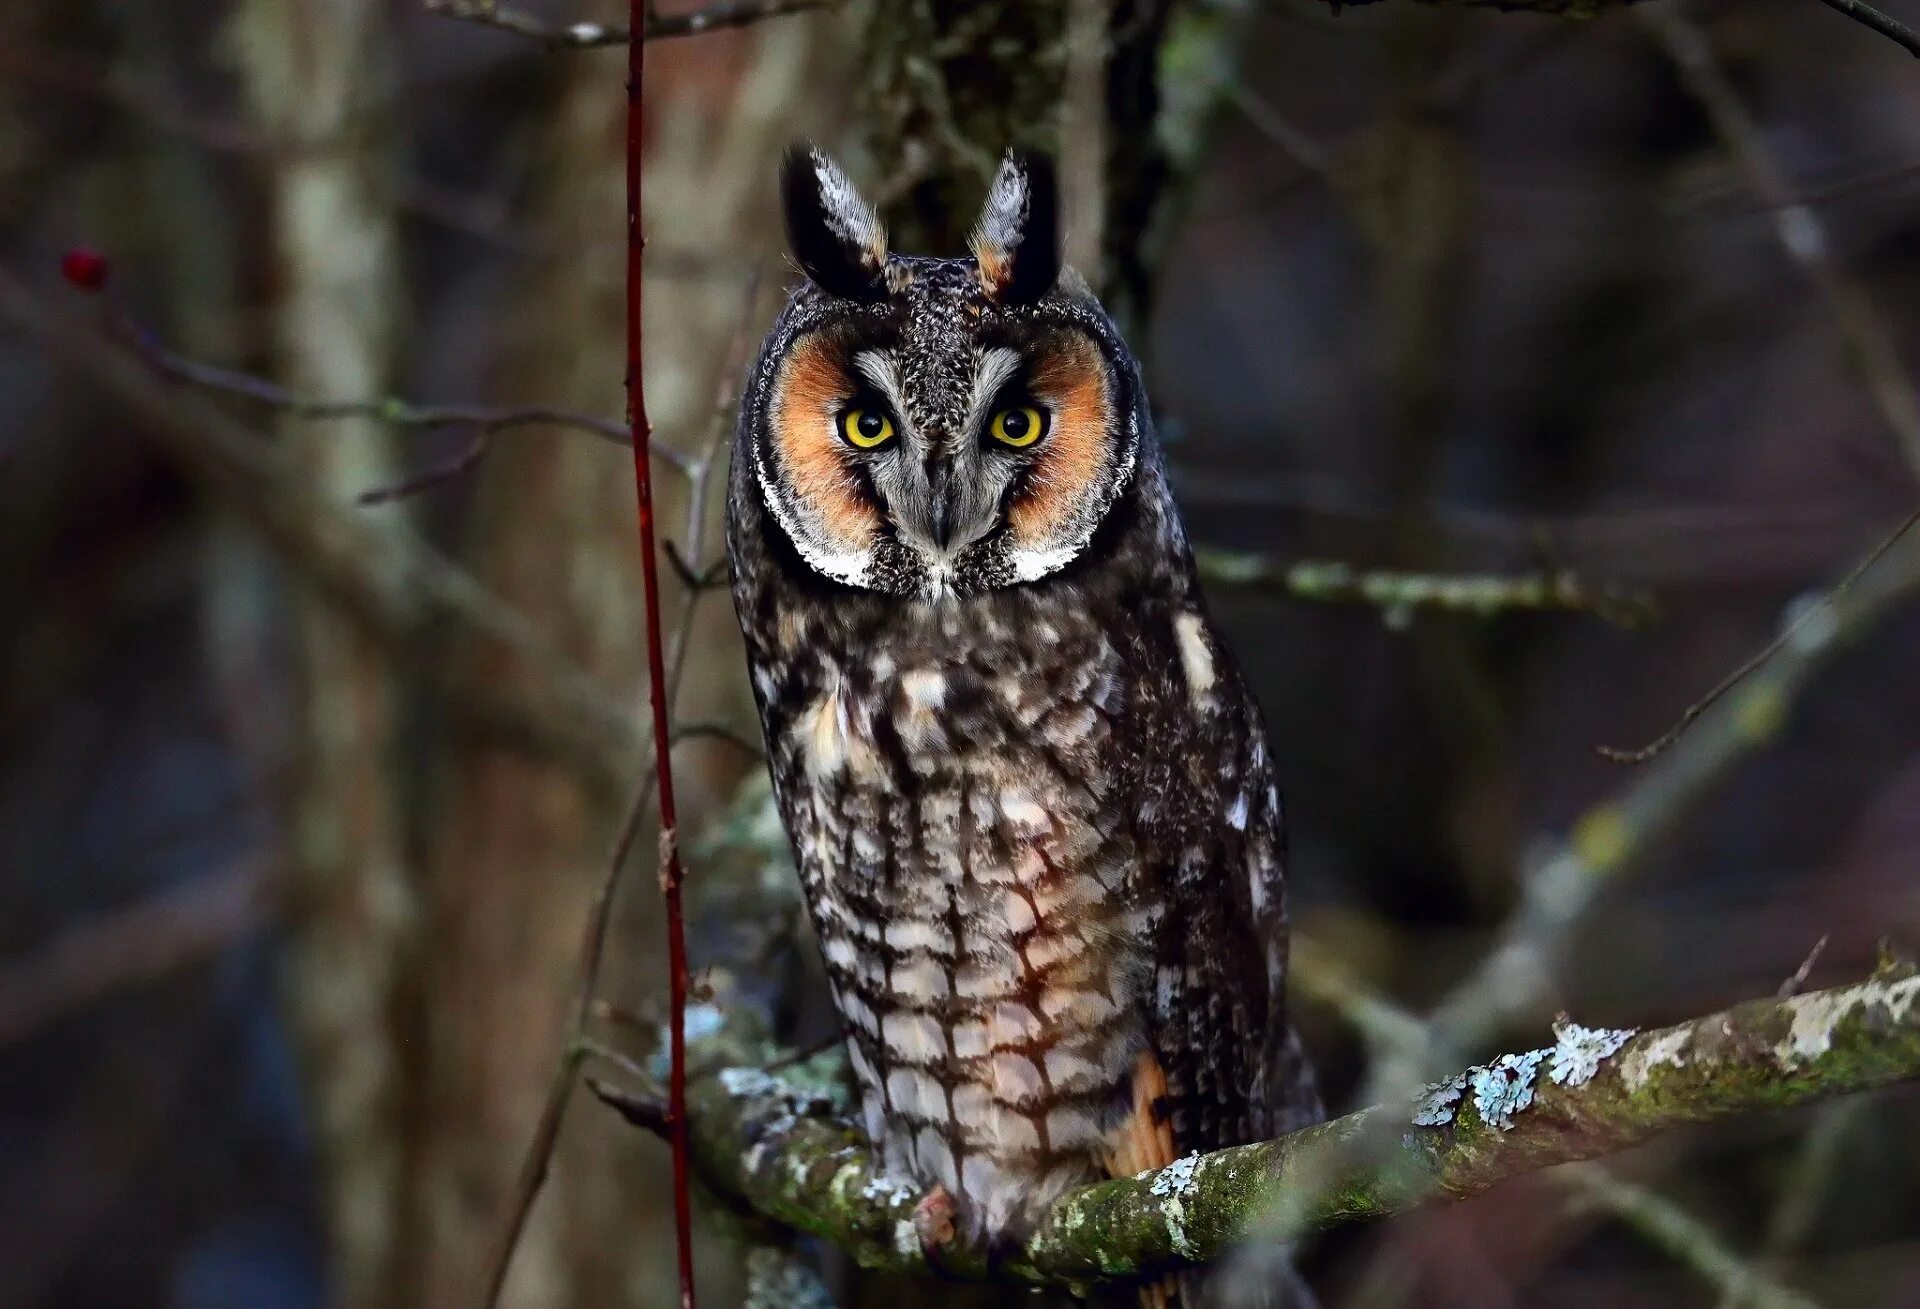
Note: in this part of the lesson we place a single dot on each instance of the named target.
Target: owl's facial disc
(940, 426)
(892, 476)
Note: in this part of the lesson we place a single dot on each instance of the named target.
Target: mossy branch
(1398, 594)
(783, 1145)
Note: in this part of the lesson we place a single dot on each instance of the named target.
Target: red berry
(85, 268)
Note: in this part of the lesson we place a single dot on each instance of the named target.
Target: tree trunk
(314, 74)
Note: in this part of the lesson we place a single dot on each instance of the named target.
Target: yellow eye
(1018, 426)
(866, 428)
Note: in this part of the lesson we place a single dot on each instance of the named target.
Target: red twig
(670, 873)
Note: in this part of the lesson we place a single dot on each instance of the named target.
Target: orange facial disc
(812, 386)
(1071, 380)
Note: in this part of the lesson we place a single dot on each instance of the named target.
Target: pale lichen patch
(1435, 1107)
(1668, 1050)
(1504, 1087)
(882, 1189)
(1816, 1016)
(704, 1020)
(750, 1082)
(1578, 1054)
(1172, 1186)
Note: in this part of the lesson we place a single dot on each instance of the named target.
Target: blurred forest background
(304, 799)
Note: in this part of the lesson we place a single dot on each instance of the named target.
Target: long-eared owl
(1030, 797)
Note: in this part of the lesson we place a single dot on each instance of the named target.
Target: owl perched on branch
(1030, 797)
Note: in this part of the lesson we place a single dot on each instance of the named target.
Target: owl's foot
(934, 1221)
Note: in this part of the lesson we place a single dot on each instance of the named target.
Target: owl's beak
(941, 496)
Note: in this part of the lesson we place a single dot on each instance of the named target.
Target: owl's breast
(960, 833)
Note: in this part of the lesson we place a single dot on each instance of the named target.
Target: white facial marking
(994, 368)
(881, 369)
(1032, 565)
(849, 566)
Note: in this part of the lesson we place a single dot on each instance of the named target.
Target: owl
(1029, 794)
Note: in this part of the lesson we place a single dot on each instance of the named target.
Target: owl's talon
(934, 1222)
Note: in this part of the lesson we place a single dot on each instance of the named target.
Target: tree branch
(1858, 10)
(1613, 837)
(1397, 594)
(1863, 331)
(786, 1147)
(1684, 1238)
(381, 573)
(591, 36)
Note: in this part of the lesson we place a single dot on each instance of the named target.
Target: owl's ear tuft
(1016, 242)
(833, 233)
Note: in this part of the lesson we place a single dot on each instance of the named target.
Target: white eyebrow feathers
(996, 366)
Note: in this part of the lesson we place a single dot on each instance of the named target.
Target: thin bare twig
(1819, 608)
(380, 573)
(1804, 1192)
(1680, 1235)
(1885, 24)
(1391, 1031)
(1800, 232)
(1858, 322)
(387, 409)
(646, 1112)
(671, 871)
(438, 475)
(538, 1159)
(651, 25)
(1615, 835)
(1796, 983)
(586, 1004)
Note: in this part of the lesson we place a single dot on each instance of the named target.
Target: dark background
(288, 919)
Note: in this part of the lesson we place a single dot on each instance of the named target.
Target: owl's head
(933, 427)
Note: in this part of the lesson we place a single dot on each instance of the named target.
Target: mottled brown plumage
(1029, 794)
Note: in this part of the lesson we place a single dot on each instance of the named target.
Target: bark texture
(784, 1146)
(314, 73)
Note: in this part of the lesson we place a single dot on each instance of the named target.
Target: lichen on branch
(783, 1144)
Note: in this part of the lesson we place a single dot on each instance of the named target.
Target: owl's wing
(1210, 835)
